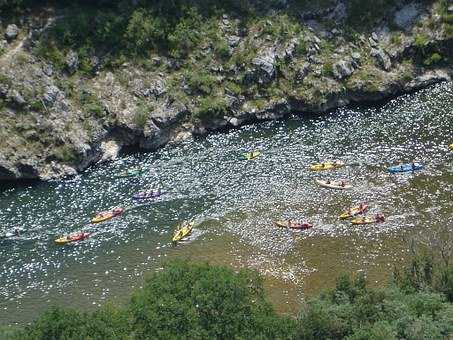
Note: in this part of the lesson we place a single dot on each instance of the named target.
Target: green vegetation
(327, 69)
(65, 153)
(433, 59)
(193, 301)
(142, 114)
(182, 301)
(199, 81)
(421, 41)
(363, 14)
(210, 107)
(91, 104)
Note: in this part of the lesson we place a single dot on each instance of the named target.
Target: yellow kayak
(451, 146)
(368, 220)
(365, 220)
(107, 215)
(251, 155)
(183, 230)
(354, 211)
(72, 238)
(326, 166)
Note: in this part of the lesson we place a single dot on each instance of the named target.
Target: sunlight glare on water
(234, 203)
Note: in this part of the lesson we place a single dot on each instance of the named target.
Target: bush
(184, 301)
(200, 81)
(204, 302)
(211, 108)
(353, 311)
(301, 48)
(141, 115)
(363, 14)
(107, 323)
(327, 69)
(421, 41)
(91, 104)
(65, 153)
(434, 59)
(222, 49)
(145, 31)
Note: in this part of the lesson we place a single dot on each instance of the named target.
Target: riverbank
(74, 94)
(204, 301)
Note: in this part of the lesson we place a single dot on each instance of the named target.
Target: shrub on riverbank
(184, 300)
(192, 301)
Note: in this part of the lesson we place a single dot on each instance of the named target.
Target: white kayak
(334, 184)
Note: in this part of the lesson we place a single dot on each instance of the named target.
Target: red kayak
(72, 238)
(293, 225)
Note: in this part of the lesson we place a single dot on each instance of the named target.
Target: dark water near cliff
(235, 202)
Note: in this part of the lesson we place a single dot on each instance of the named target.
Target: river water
(234, 203)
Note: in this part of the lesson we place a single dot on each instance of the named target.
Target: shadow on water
(234, 203)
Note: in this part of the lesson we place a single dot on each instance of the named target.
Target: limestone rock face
(56, 120)
(343, 69)
(382, 58)
(72, 61)
(11, 32)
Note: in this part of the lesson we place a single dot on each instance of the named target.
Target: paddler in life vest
(380, 218)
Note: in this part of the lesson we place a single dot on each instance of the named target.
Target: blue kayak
(405, 168)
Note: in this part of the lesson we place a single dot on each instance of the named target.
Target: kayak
(333, 184)
(144, 195)
(293, 225)
(326, 166)
(183, 230)
(10, 234)
(251, 155)
(451, 146)
(366, 220)
(354, 211)
(72, 238)
(405, 168)
(107, 215)
(131, 173)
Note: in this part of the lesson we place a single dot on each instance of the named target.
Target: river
(234, 203)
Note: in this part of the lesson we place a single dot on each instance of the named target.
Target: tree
(205, 302)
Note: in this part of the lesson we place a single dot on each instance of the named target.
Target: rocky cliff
(63, 110)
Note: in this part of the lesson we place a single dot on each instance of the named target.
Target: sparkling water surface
(234, 203)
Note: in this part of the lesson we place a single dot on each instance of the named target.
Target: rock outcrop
(56, 121)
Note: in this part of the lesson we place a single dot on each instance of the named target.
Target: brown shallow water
(234, 203)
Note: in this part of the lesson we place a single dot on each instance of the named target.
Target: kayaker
(380, 218)
(16, 232)
(413, 166)
(328, 181)
(343, 184)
